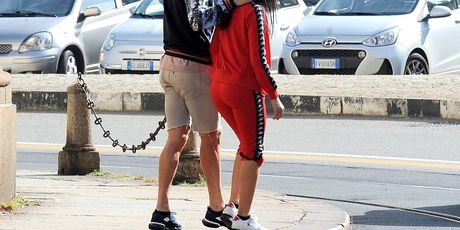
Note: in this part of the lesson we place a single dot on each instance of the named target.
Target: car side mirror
(92, 11)
(440, 12)
(89, 12)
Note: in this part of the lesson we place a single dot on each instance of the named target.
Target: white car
(136, 45)
(375, 37)
(289, 13)
(57, 36)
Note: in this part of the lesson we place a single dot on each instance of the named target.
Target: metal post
(7, 140)
(189, 169)
(78, 156)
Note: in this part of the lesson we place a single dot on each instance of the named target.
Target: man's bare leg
(169, 161)
(211, 165)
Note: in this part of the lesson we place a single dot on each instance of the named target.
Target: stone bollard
(7, 140)
(189, 169)
(78, 156)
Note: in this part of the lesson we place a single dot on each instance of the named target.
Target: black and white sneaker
(212, 219)
(164, 221)
(229, 212)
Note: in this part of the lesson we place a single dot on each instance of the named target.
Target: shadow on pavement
(392, 217)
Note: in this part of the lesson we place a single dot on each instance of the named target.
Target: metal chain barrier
(98, 121)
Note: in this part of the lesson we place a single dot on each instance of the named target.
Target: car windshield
(150, 9)
(35, 8)
(365, 7)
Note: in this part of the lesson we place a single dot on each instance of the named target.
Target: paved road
(342, 160)
(406, 138)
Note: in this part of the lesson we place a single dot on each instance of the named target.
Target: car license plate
(317, 63)
(145, 65)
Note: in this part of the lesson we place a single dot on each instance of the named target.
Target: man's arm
(205, 14)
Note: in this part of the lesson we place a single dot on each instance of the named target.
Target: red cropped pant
(245, 112)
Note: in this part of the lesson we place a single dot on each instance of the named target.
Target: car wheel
(416, 65)
(68, 63)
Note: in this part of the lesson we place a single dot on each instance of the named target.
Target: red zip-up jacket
(235, 53)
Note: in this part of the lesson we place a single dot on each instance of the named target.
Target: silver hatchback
(56, 36)
(375, 37)
(136, 45)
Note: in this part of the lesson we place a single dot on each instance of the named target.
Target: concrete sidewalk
(434, 96)
(91, 202)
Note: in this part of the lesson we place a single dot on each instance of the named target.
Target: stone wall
(427, 96)
(7, 140)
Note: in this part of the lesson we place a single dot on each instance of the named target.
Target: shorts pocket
(164, 78)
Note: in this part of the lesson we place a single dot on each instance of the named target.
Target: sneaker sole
(210, 224)
(159, 226)
(227, 220)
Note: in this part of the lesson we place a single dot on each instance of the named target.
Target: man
(184, 78)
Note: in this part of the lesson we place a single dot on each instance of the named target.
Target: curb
(346, 225)
(294, 104)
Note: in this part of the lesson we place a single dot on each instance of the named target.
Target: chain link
(98, 121)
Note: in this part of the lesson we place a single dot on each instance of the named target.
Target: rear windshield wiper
(33, 13)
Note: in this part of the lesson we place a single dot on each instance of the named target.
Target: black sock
(244, 217)
(163, 213)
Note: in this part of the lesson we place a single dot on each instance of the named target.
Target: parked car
(375, 37)
(289, 13)
(311, 2)
(136, 45)
(56, 36)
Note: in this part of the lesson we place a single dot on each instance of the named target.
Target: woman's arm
(259, 50)
(259, 53)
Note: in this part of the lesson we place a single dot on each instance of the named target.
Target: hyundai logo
(329, 42)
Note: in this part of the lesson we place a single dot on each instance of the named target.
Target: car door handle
(457, 21)
(284, 27)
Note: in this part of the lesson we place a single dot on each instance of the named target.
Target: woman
(240, 52)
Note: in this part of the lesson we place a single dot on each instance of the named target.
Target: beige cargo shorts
(188, 101)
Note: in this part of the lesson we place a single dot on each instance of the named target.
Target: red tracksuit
(241, 78)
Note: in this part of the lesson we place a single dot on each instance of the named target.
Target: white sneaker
(249, 224)
(230, 211)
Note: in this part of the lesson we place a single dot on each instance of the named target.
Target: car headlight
(384, 38)
(36, 42)
(292, 39)
(109, 42)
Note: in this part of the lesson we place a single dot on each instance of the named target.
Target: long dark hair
(269, 5)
